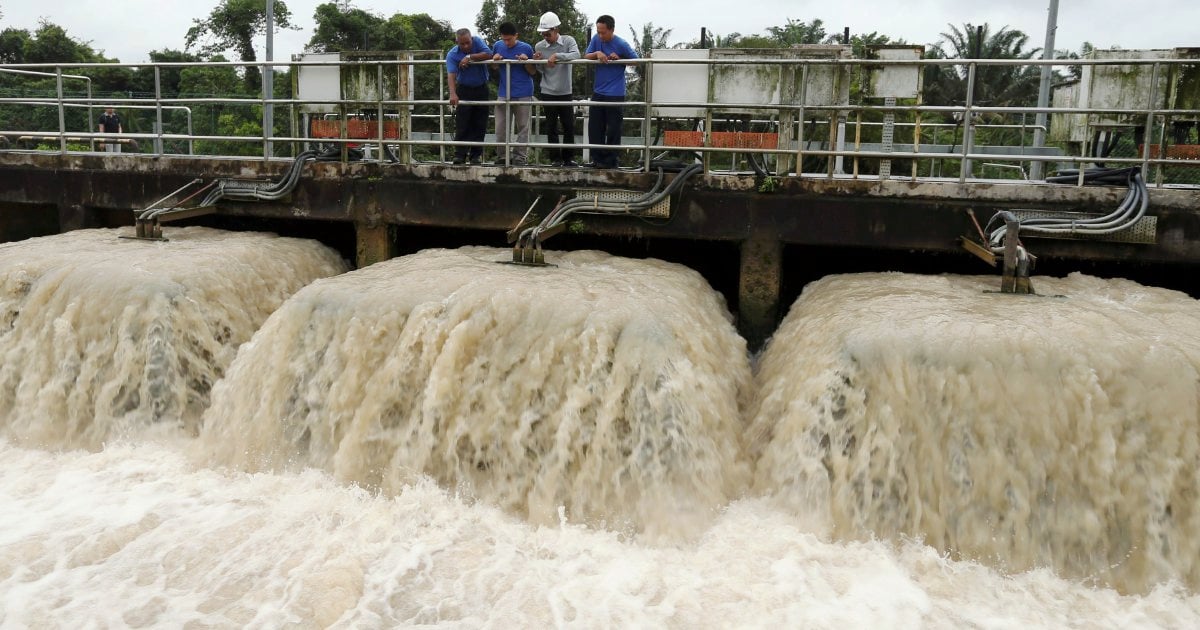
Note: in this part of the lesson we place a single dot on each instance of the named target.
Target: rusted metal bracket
(1017, 262)
(148, 225)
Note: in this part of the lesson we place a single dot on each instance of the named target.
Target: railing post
(268, 115)
(442, 97)
(62, 117)
(647, 94)
(90, 118)
(158, 124)
(968, 131)
(800, 129)
(403, 118)
(508, 126)
(1149, 129)
(379, 107)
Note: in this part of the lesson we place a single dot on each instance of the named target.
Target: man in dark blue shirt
(604, 121)
(468, 82)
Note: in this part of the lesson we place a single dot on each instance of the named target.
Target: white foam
(104, 338)
(1024, 432)
(134, 536)
(610, 386)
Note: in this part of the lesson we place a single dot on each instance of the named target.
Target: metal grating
(889, 134)
(1142, 232)
(661, 210)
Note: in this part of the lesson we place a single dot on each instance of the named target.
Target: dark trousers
(604, 127)
(470, 121)
(560, 116)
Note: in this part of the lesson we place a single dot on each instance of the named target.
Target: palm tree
(995, 86)
(796, 32)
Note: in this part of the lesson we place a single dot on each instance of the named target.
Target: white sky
(129, 29)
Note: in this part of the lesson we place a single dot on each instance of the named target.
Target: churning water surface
(226, 430)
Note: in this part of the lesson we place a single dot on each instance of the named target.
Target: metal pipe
(1039, 133)
(968, 135)
(62, 117)
(158, 124)
(268, 82)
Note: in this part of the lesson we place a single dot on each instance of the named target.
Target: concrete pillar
(758, 288)
(73, 217)
(373, 243)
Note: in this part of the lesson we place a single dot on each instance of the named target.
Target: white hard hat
(549, 20)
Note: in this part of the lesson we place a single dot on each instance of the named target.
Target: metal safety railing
(814, 118)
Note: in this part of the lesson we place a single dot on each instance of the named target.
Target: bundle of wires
(235, 190)
(1130, 211)
(595, 205)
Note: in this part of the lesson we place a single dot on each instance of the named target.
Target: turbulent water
(137, 536)
(609, 387)
(105, 337)
(440, 439)
(1021, 431)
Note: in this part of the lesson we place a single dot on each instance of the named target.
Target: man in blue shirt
(516, 84)
(468, 82)
(604, 121)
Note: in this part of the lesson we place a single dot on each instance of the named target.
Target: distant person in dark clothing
(110, 122)
(468, 82)
(604, 122)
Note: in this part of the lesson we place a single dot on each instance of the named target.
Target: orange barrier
(1175, 151)
(722, 139)
(355, 129)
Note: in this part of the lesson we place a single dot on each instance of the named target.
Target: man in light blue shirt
(604, 122)
(556, 85)
(516, 84)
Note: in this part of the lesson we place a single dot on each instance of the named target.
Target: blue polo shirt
(522, 83)
(473, 75)
(610, 78)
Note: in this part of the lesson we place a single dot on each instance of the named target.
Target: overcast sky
(129, 29)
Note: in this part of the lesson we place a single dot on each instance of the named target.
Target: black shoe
(570, 164)
(458, 161)
(556, 164)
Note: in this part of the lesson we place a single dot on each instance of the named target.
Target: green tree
(51, 44)
(233, 25)
(995, 86)
(525, 14)
(796, 32)
(415, 32)
(12, 45)
(652, 37)
(142, 82)
(342, 27)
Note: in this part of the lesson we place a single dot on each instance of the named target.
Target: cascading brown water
(608, 386)
(511, 367)
(1018, 431)
(105, 338)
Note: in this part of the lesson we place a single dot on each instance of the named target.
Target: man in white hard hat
(555, 47)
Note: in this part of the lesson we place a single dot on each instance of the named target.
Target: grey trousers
(520, 119)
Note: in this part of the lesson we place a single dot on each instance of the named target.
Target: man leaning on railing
(604, 122)
(556, 85)
(470, 83)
